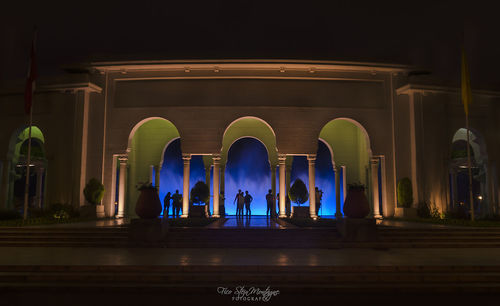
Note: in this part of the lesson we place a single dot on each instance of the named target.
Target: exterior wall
(202, 108)
(438, 115)
(85, 129)
(54, 113)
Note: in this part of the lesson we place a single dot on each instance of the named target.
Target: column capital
(311, 157)
(281, 158)
(186, 157)
(122, 158)
(216, 158)
(374, 160)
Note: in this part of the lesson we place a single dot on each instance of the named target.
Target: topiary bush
(298, 192)
(94, 191)
(405, 193)
(200, 193)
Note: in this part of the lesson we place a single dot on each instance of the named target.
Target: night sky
(424, 33)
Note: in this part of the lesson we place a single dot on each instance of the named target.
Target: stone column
(374, 173)
(344, 184)
(217, 190)
(311, 159)
(281, 162)
(121, 187)
(39, 179)
(453, 183)
(207, 181)
(273, 189)
(185, 185)
(151, 176)
(157, 178)
(338, 205)
(288, 178)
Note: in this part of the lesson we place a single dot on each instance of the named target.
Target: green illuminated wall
(350, 148)
(146, 149)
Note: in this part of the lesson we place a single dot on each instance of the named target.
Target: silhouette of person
(319, 196)
(270, 202)
(239, 199)
(166, 204)
(177, 202)
(248, 199)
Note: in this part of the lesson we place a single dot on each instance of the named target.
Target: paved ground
(298, 257)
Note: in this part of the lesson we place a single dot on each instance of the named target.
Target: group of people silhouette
(176, 203)
(241, 200)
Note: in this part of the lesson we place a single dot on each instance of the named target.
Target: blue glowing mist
(247, 168)
(324, 178)
(171, 174)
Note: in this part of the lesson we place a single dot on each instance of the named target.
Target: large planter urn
(148, 204)
(356, 204)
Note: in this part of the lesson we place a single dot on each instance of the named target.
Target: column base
(215, 216)
(339, 216)
(184, 216)
(282, 216)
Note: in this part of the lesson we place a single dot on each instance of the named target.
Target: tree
(200, 193)
(298, 192)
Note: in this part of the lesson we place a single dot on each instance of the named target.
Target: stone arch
(16, 159)
(253, 127)
(350, 146)
(458, 168)
(147, 140)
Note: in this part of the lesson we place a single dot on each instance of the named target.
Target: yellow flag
(466, 91)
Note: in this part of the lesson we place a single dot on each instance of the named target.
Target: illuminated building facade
(115, 120)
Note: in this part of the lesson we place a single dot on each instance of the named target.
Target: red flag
(30, 80)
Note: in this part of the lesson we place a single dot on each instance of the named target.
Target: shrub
(405, 193)
(9, 215)
(298, 192)
(62, 211)
(200, 193)
(94, 191)
(423, 210)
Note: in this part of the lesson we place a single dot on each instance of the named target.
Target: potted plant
(356, 204)
(405, 199)
(93, 193)
(298, 194)
(200, 194)
(148, 204)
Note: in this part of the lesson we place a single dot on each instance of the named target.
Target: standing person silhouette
(270, 202)
(176, 202)
(166, 204)
(248, 200)
(239, 203)
(319, 196)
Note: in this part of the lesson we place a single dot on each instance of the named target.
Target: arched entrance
(352, 161)
(17, 156)
(248, 160)
(459, 173)
(147, 144)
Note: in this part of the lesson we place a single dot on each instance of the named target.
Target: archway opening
(348, 145)
(248, 169)
(172, 168)
(17, 155)
(147, 143)
(459, 172)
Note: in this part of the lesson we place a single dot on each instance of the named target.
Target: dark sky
(423, 33)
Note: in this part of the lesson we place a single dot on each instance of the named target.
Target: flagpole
(469, 166)
(28, 162)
